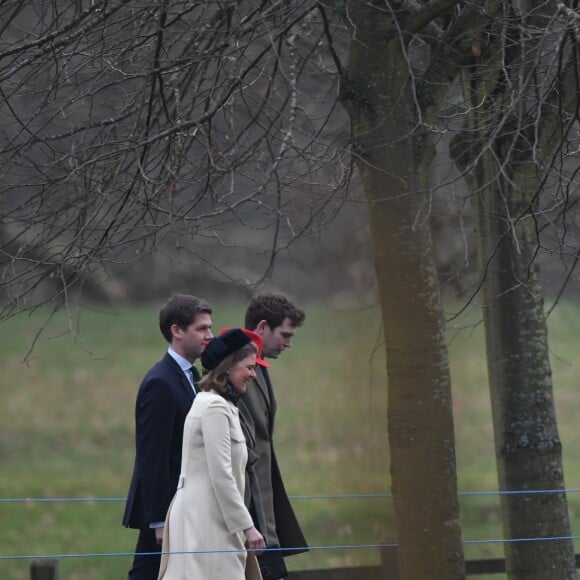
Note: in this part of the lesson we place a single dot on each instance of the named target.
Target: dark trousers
(145, 565)
(272, 563)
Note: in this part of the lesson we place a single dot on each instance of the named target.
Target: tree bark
(505, 184)
(377, 94)
(528, 447)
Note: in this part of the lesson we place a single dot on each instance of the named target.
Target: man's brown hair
(274, 308)
(181, 309)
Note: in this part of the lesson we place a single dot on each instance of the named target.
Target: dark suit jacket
(163, 401)
(259, 403)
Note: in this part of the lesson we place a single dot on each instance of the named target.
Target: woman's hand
(254, 540)
(159, 535)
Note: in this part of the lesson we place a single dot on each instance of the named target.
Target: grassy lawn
(67, 431)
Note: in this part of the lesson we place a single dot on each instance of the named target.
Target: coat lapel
(179, 375)
(263, 380)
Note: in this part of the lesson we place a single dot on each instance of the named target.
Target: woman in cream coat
(208, 527)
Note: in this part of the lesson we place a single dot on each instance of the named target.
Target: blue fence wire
(125, 554)
(294, 497)
(310, 548)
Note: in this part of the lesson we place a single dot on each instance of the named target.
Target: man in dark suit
(163, 401)
(275, 318)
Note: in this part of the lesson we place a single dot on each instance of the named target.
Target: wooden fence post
(389, 560)
(44, 570)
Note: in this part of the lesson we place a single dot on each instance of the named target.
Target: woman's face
(242, 372)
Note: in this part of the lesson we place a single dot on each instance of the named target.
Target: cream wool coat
(208, 512)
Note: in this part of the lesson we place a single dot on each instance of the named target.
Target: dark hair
(181, 309)
(217, 378)
(274, 309)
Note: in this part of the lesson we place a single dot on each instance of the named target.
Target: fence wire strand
(293, 497)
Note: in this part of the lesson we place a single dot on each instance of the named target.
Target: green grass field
(67, 431)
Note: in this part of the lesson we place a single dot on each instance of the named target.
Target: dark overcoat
(163, 401)
(281, 525)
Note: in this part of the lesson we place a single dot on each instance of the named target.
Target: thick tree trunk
(527, 444)
(503, 181)
(377, 95)
(528, 448)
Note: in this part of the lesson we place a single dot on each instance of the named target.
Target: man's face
(191, 342)
(278, 339)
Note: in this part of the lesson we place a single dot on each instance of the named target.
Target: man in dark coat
(163, 401)
(275, 318)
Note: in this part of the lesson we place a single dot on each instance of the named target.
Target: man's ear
(261, 327)
(176, 331)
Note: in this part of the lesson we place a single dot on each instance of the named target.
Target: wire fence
(343, 496)
(299, 497)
